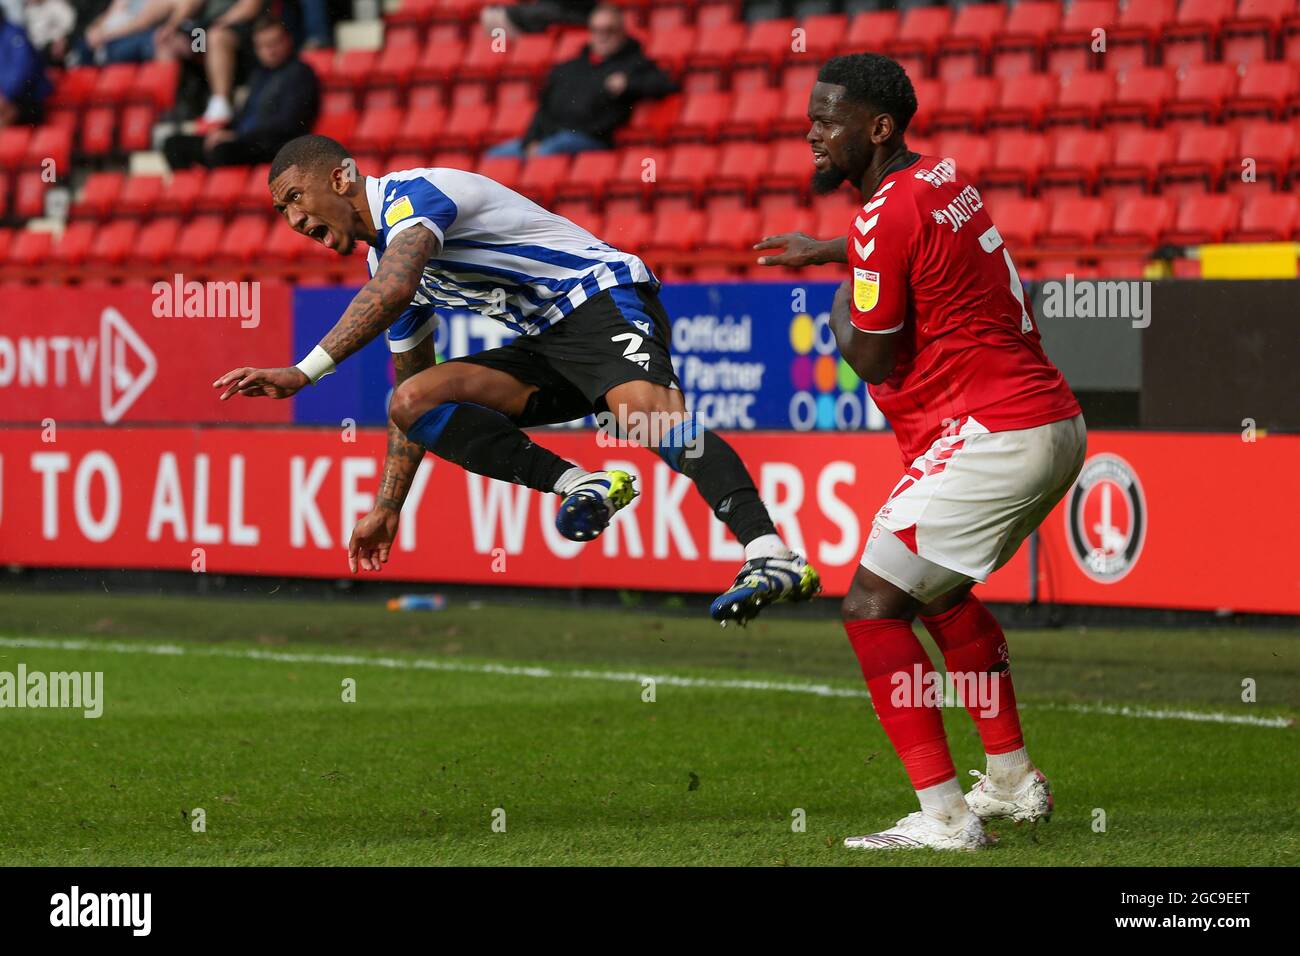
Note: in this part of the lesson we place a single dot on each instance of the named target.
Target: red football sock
(972, 642)
(885, 648)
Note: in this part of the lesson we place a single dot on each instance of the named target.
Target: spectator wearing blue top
(23, 83)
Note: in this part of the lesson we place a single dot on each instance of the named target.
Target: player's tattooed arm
(799, 249)
(386, 295)
(869, 354)
(404, 456)
(372, 539)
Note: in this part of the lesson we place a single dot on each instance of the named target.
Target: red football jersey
(927, 260)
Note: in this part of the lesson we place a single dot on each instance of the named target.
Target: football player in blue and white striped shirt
(593, 338)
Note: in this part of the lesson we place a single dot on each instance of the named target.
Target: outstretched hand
(372, 539)
(263, 382)
(797, 249)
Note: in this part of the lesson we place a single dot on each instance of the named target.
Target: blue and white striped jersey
(501, 254)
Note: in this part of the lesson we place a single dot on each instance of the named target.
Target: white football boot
(917, 830)
(1028, 801)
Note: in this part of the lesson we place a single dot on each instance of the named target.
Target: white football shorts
(963, 508)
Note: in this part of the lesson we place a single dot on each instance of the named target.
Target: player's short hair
(310, 152)
(875, 79)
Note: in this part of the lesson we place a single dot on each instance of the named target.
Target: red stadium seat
(1265, 89)
(733, 229)
(590, 174)
(396, 63)
(74, 245)
(1082, 98)
(1139, 28)
(1273, 148)
(256, 196)
(113, 84)
(1268, 217)
(970, 152)
(967, 45)
(639, 171)
(530, 56)
(1023, 101)
(875, 30)
(283, 245)
(542, 175)
(791, 167)
(509, 121)
(140, 196)
(155, 84)
(702, 116)
(98, 128)
(928, 94)
(439, 61)
(29, 198)
(1249, 35)
(30, 248)
(504, 169)
(113, 242)
(1017, 158)
(13, 145)
(421, 129)
(223, 189)
(752, 113)
(921, 31)
(136, 131)
(1140, 219)
(778, 219)
(670, 50)
(1070, 47)
(1201, 153)
(156, 242)
(768, 42)
(689, 167)
(378, 129)
(353, 69)
(1077, 155)
(629, 231)
(742, 166)
(1139, 156)
(651, 121)
(1192, 35)
(823, 34)
(720, 46)
(74, 87)
(1141, 94)
(338, 126)
(792, 116)
(1202, 219)
(243, 239)
(1019, 46)
(1077, 221)
(182, 193)
(1020, 221)
(50, 143)
(1202, 91)
(966, 105)
(467, 125)
(99, 195)
(198, 241)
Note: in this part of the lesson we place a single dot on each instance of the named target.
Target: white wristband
(316, 365)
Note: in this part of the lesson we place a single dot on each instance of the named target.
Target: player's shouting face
(315, 202)
(842, 136)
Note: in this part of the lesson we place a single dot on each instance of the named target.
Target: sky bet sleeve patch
(866, 289)
(398, 211)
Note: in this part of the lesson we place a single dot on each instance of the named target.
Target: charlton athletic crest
(1106, 520)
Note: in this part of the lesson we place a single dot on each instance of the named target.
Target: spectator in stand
(283, 100)
(124, 33)
(227, 27)
(49, 26)
(585, 100)
(535, 17)
(23, 83)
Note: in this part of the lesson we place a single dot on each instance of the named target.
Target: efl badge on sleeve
(398, 211)
(866, 289)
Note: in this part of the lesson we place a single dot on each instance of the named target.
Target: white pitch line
(619, 677)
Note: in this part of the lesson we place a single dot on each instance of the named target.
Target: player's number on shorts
(1018, 291)
(630, 350)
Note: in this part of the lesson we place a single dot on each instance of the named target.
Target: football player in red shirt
(934, 318)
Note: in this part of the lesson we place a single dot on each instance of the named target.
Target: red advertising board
(138, 353)
(1147, 524)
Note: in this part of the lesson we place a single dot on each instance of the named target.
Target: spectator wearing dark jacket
(23, 83)
(283, 100)
(587, 99)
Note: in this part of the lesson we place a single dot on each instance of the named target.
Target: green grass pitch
(534, 717)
